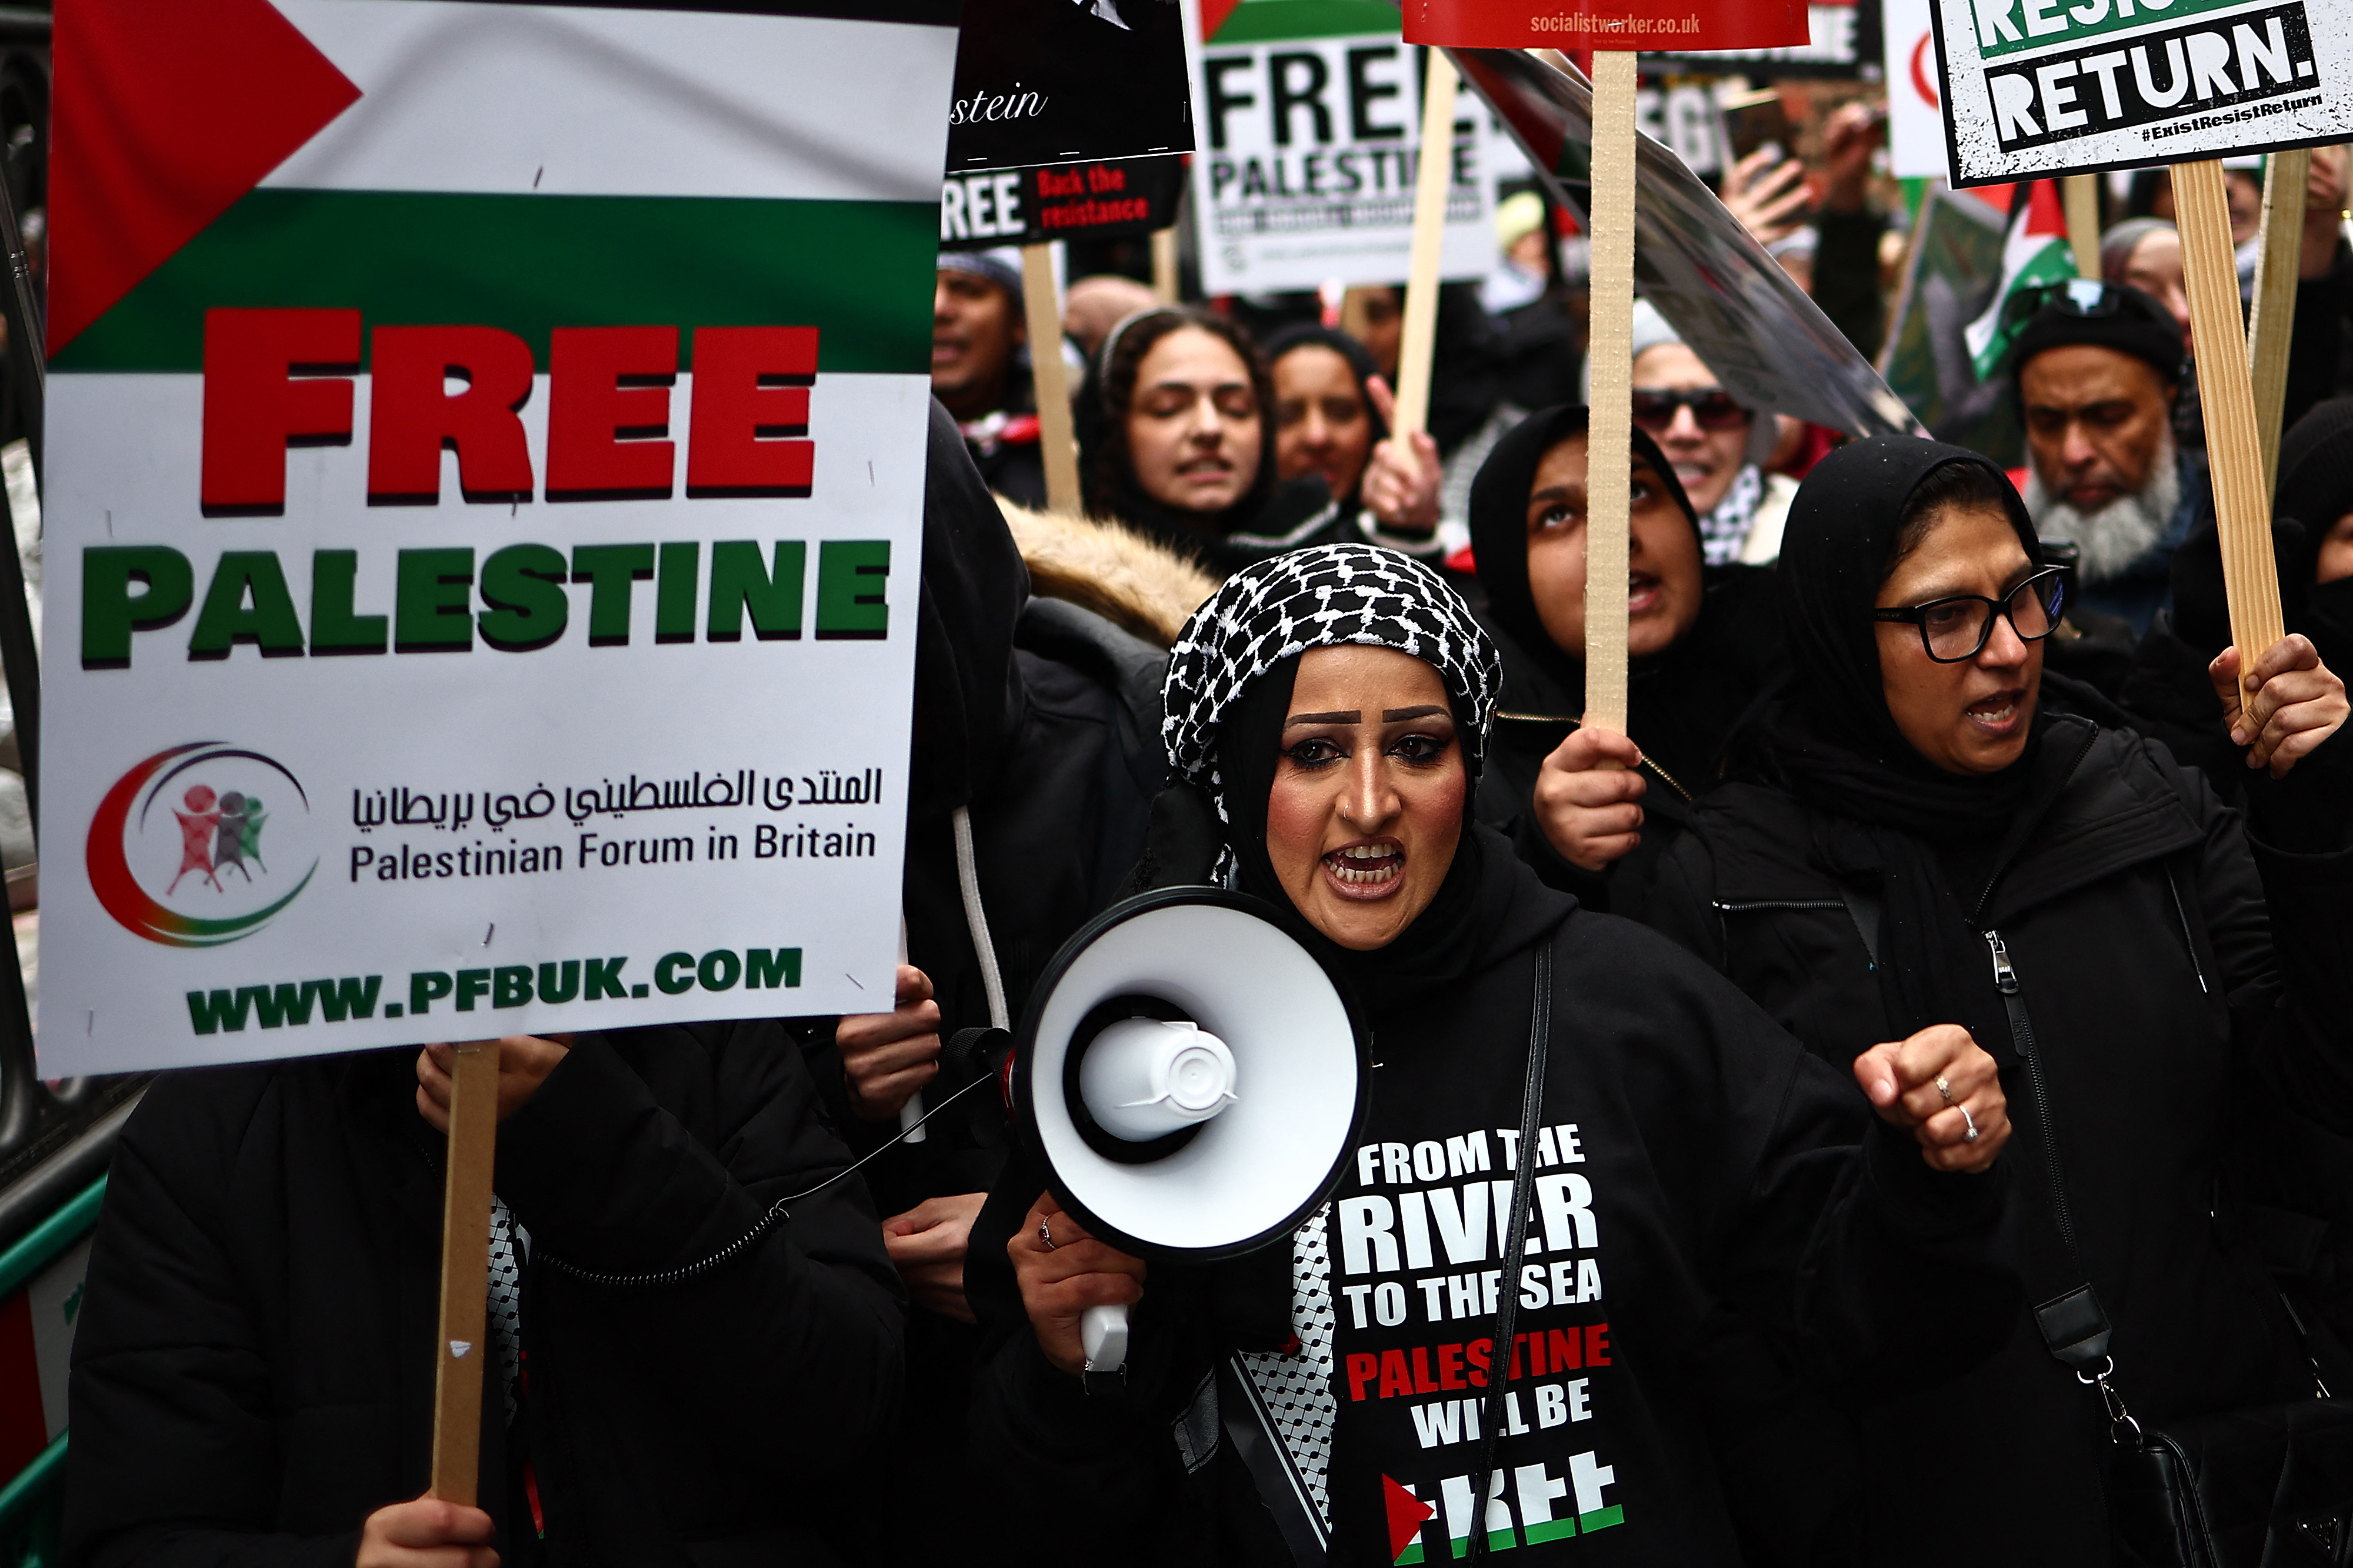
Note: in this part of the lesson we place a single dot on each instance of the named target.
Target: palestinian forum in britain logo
(181, 849)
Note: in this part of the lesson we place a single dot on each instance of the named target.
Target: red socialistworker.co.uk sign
(1676, 25)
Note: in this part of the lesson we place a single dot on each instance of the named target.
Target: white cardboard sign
(509, 635)
(2035, 88)
(1305, 174)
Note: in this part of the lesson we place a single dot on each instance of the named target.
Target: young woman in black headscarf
(1937, 832)
(1176, 439)
(1332, 418)
(1698, 1168)
(1590, 810)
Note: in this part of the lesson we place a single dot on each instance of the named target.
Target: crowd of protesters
(1912, 731)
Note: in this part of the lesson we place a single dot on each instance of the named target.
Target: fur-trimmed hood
(1137, 582)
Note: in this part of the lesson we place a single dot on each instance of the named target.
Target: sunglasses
(2085, 297)
(1712, 408)
(1955, 630)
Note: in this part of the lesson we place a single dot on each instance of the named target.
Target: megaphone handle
(1103, 1336)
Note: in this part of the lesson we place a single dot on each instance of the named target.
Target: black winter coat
(1043, 720)
(253, 1371)
(2193, 1001)
(1733, 1180)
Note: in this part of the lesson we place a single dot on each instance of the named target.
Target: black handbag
(2270, 1486)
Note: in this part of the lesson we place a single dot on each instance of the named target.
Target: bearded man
(2097, 370)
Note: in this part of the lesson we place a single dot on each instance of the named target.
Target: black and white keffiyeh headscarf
(1324, 597)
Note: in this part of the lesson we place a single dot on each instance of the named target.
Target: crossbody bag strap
(2073, 1324)
(1507, 1306)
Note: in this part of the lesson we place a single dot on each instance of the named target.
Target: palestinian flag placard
(486, 452)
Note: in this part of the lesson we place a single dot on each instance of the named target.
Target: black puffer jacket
(253, 1371)
(2193, 1001)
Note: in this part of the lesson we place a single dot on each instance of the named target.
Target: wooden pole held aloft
(2234, 450)
(465, 1272)
(2272, 325)
(1608, 482)
(1164, 264)
(2081, 195)
(1433, 183)
(1049, 378)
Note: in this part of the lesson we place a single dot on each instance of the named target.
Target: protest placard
(1732, 302)
(1110, 198)
(1311, 117)
(2036, 86)
(2033, 87)
(1581, 25)
(1915, 120)
(1843, 39)
(486, 480)
(1051, 82)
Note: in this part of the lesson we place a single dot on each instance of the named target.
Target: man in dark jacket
(979, 371)
(699, 1344)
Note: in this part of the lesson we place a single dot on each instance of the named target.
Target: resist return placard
(2041, 86)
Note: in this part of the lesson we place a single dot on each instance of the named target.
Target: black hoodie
(1695, 1168)
(1682, 705)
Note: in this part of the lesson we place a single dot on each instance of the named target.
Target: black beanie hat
(2133, 323)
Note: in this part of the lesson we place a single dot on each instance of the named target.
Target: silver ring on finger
(1045, 1236)
(1945, 1088)
(1972, 1135)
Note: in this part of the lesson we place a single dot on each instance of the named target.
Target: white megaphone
(1194, 1081)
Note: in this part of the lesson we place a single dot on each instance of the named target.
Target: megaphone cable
(976, 919)
(778, 1210)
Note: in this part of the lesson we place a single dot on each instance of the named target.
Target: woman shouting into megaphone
(1701, 1210)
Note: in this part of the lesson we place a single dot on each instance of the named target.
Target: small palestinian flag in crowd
(2034, 255)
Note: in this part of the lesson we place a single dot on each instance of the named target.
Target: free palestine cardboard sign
(484, 516)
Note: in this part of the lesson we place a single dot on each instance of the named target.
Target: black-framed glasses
(1955, 630)
(1711, 406)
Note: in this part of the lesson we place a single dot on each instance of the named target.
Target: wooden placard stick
(1164, 264)
(465, 1271)
(1608, 478)
(2081, 195)
(1433, 181)
(2234, 451)
(1048, 377)
(2273, 321)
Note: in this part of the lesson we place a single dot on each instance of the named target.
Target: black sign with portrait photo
(1056, 81)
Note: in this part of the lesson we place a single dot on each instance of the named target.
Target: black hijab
(1683, 703)
(1898, 818)
(1270, 507)
(1228, 690)
(1445, 943)
(1837, 740)
(1360, 365)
